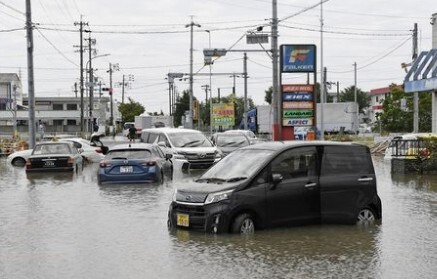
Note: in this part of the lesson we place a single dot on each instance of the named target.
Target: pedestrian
(41, 130)
(132, 134)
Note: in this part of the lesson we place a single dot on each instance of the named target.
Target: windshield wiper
(211, 180)
(189, 143)
(235, 179)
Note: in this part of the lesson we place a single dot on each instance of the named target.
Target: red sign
(297, 88)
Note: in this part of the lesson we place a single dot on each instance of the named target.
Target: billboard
(297, 96)
(223, 115)
(298, 58)
(297, 105)
(297, 113)
(297, 122)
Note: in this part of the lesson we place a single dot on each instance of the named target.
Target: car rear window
(44, 149)
(339, 160)
(128, 154)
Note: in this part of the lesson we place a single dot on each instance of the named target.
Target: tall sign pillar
(298, 105)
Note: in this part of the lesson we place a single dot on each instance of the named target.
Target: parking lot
(67, 226)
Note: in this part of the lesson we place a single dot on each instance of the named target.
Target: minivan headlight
(177, 155)
(173, 198)
(219, 196)
(218, 154)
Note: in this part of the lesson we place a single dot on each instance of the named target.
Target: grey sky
(150, 57)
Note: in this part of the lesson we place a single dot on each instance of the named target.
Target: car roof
(53, 143)
(282, 145)
(132, 146)
(171, 130)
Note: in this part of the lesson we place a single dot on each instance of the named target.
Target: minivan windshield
(189, 139)
(239, 165)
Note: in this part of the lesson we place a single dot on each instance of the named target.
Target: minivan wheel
(365, 215)
(243, 224)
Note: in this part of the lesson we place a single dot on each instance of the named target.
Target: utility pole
(170, 112)
(112, 102)
(206, 88)
(415, 94)
(338, 92)
(81, 24)
(91, 85)
(276, 97)
(245, 90)
(14, 88)
(75, 89)
(191, 25)
(357, 116)
(30, 81)
(122, 91)
(322, 76)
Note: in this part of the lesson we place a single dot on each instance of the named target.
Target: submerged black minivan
(278, 184)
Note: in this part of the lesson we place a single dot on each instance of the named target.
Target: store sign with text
(298, 58)
(297, 105)
(297, 122)
(297, 96)
(297, 113)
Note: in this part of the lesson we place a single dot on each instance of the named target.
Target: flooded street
(57, 226)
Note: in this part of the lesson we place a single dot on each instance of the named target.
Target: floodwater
(63, 226)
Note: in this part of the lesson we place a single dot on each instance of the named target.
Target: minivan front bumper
(186, 165)
(208, 218)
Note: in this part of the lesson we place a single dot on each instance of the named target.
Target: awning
(423, 73)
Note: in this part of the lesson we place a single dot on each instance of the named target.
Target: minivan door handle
(365, 179)
(309, 185)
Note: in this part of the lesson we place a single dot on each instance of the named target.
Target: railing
(407, 148)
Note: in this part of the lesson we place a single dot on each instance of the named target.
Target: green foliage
(395, 119)
(348, 95)
(268, 96)
(182, 105)
(130, 110)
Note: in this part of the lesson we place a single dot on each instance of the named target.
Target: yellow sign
(223, 114)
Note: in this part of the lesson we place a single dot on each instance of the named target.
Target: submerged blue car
(135, 163)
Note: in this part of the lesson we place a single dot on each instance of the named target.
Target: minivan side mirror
(168, 156)
(276, 179)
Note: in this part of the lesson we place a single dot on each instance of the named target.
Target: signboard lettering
(297, 88)
(297, 97)
(297, 113)
(298, 58)
(297, 122)
(223, 114)
(297, 105)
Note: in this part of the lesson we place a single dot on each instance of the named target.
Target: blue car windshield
(134, 154)
(242, 163)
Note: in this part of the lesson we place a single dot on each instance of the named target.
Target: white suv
(191, 149)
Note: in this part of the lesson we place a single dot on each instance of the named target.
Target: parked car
(248, 133)
(18, 158)
(190, 148)
(280, 183)
(54, 156)
(91, 153)
(135, 163)
(228, 142)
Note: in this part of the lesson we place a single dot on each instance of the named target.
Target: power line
(12, 30)
(348, 33)
(12, 8)
(60, 52)
(14, 17)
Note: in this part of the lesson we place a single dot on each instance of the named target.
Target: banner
(297, 88)
(297, 113)
(298, 58)
(223, 115)
(297, 122)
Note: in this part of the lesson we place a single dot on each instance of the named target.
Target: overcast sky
(149, 39)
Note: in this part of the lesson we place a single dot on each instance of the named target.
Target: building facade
(11, 93)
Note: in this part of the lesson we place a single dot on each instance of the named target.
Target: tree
(268, 96)
(130, 110)
(182, 105)
(348, 95)
(396, 119)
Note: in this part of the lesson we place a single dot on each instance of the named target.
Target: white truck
(152, 121)
(337, 117)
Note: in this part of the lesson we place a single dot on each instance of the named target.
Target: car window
(44, 149)
(345, 160)
(295, 163)
(75, 144)
(144, 136)
(152, 138)
(163, 138)
(159, 152)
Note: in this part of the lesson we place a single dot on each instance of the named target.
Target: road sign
(214, 52)
(257, 39)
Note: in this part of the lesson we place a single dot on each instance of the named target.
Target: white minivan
(191, 149)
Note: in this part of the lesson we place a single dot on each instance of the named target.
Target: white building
(10, 91)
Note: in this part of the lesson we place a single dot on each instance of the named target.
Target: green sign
(223, 115)
(298, 113)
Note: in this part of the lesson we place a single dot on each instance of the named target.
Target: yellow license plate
(183, 220)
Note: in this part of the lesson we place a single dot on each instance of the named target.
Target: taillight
(28, 164)
(70, 162)
(104, 164)
(99, 150)
(149, 163)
